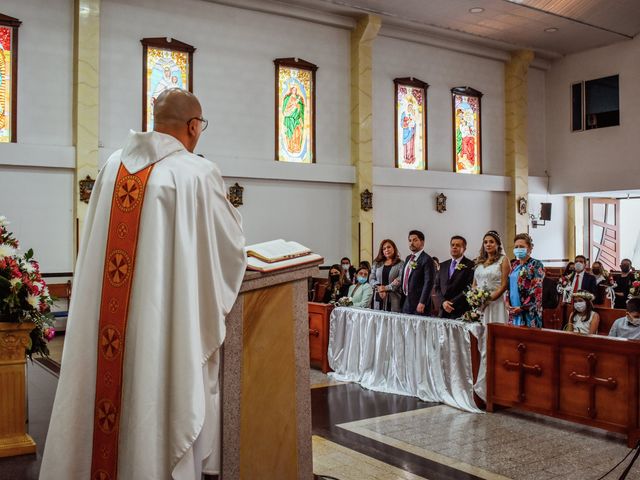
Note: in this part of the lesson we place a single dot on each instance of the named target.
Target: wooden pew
(587, 379)
(553, 272)
(607, 317)
(319, 315)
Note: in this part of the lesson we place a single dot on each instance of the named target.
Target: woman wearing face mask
(524, 296)
(623, 282)
(337, 287)
(583, 319)
(600, 273)
(361, 292)
(387, 267)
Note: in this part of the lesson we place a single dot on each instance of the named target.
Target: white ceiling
(581, 24)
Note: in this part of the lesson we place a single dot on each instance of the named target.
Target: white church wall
(602, 159)
(37, 200)
(39, 204)
(318, 215)
(234, 80)
(550, 240)
(469, 213)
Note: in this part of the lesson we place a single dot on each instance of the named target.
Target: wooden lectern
(266, 396)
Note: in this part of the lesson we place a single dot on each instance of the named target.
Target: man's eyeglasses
(205, 122)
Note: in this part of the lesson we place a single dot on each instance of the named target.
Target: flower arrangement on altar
(24, 295)
(343, 302)
(634, 291)
(477, 298)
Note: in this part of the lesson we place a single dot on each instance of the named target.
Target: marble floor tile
(334, 460)
(506, 444)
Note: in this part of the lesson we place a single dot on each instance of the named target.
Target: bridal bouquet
(344, 302)
(477, 298)
(24, 295)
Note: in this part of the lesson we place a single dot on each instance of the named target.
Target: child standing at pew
(629, 325)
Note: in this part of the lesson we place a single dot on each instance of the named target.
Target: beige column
(86, 96)
(571, 228)
(361, 134)
(516, 153)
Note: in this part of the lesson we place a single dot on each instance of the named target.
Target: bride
(492, 274)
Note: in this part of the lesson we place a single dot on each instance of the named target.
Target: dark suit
(453, 288)
(588, 283)
(420, 284)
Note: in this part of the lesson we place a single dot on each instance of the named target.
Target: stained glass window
(467, 151)
(295, 114)
(167, 64)
(411, 123)
(8, 85)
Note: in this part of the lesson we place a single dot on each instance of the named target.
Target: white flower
(3, 221)
(33, 300)
(29, 267)
(7, 251)
(15, 281)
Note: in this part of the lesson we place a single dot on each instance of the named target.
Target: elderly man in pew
(629, 325)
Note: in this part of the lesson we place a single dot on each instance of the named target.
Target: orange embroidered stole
(122, 240)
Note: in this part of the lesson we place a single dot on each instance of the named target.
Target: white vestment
(188, 270)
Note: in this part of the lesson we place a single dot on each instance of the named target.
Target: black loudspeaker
(545, 211)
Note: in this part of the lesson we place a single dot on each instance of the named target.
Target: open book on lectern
(278, 254)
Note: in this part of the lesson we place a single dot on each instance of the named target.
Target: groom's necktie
(452, 267)
(407, 272)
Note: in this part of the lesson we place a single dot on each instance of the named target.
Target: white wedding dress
(490, 279)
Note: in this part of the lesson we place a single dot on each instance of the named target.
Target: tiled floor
(340, 462)
(501, 445)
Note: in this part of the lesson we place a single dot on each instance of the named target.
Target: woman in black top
(338, 286)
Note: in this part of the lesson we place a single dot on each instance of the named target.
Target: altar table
(429, 358)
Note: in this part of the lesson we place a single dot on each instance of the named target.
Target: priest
(160, 265)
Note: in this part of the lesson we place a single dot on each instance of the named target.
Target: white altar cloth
(425, 357)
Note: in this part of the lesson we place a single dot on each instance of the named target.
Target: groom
(453, 279)
(417, 277)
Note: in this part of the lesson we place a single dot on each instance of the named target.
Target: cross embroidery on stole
(122, 240)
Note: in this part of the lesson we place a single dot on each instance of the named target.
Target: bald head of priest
(178, 113)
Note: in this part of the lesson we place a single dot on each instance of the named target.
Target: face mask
(625, 268)
(362, 279)
(580, 306)
(520, 252)
(579, 267)
(633, 321)
(345, 266)
(596, 271)
(334, 277)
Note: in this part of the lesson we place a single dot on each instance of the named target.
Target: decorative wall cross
(523, 370)
(593, 382)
